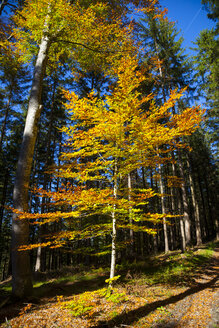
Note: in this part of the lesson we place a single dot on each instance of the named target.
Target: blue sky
(190, 18)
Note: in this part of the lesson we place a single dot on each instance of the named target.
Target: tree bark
(5, 121)
(48, 158)
(195, 206)
(166, 242)
(183, 238)
(187, 221)
(113, 253)
(181, 223)
(131, 233)
(3, 4)
(4, 194)
(21, 272)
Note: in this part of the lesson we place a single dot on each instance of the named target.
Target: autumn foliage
(109, 138)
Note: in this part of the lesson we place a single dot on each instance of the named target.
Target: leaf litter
(134, 303)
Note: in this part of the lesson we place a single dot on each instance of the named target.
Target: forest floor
(167, 291)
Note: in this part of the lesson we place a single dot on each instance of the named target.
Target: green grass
(173, 268)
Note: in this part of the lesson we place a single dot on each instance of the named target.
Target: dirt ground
(159, 306)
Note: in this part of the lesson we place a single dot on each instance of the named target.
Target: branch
(85, 46)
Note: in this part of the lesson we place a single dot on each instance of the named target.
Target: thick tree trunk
(21, 272)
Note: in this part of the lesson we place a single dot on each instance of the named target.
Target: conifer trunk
(21, 271)
(173, 210)
(196, 208)
(181, 223)
(187, 221)
(3, 128)
(4, 194)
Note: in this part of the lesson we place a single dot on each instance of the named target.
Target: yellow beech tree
(48, 32)
(108, 139)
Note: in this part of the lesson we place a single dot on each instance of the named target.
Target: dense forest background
(78, 46)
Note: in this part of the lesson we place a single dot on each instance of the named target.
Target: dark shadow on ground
(48, 293)
(69, 288)
(128, 318)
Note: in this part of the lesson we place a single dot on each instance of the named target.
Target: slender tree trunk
(113, 253)
(48, 158)
(212, 216)
(38, 259)
(2, 204)
(21, 272)
(153, 206)
(3, 200)
(182, 227)
(166, 242)
(217, 229)
(3, 3)
(196, 208)
(183, 237)
(173, 210)
(5, 121)
(206, 228)
(181, 222)
(131, 234)
(143, 177)
(187, 221)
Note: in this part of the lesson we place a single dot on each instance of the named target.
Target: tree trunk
(4, 194)
(3, 3)
(183, 238)
(38, 259)
(48, 158)
(212, 217)
(5, 121)
(205, 225)
(166, 242)
(173, 210)
(21, 272)
(185, 203)
(196, 208)
(131, 234)
(181, 223)
(113, 254)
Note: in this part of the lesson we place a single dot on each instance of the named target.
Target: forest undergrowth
(169, 290)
